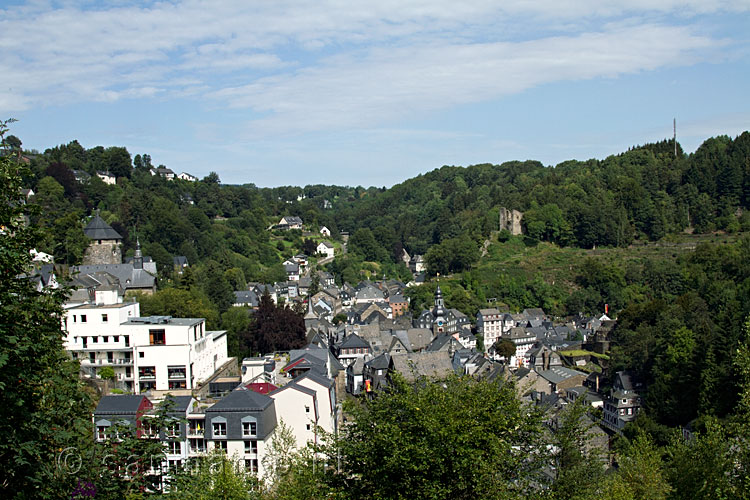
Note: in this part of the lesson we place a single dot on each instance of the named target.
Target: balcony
(106, 362)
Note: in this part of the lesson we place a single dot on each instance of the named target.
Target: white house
(187, 177)
(106, 177)
(155, 352)
(325, 231)
(325, 248)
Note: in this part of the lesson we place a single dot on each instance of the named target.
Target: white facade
(489, 326)
(297, 407)
(326, 398)
(325, 248)
(157, 352)
(187, 177)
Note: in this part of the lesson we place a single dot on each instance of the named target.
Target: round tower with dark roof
(104, 246)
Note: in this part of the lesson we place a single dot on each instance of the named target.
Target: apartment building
(146, 353)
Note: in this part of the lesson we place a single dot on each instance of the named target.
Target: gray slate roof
(242, 400)
(119, 405)
(98, 229)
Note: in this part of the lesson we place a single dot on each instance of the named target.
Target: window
(104, 318)
(105, 339)
(307, 409)
(251, 465)
(197, 445)
(221, 445)
(150, 430)
(156, 337)
(177, 384)
(127, 340)
(147, 372)
(94, 339)
(176, 372)
(83, 318)
(249, 428)
(101, 432)
(74, 318)
(92, 357)
(308, 426)
(116, 338)
(141, 354)
(251, 447)
(220, 429)
(173, 430)
(174, 447)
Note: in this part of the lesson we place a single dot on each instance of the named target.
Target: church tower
(439, 312)
(104, 247)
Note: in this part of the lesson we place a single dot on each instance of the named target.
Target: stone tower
(104, 247)
(511, 221)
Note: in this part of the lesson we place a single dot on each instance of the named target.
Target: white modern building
(146, 353)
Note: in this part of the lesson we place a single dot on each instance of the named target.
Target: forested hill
(644, 193)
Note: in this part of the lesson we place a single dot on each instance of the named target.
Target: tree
(107, 373)
(640, 474)
(48, 410)
(314, 285)
(13, 141)
(214, 476)
(455, 438)
(505, 348)
(274, 328)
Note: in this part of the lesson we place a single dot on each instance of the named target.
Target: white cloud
(400, 54)
(387, 83)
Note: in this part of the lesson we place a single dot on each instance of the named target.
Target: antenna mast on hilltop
(674, 128)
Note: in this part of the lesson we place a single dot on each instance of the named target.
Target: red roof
(261, 387)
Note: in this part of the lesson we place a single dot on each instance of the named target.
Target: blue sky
(371, 93)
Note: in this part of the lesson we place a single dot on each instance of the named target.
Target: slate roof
(382, 362)
(181, 403)
(125, 273)
(429, 364)
(557, 374)
(98, 229)
(246, 297)
(180, 261)
(242, 400)
(352, 341)
(119, 405)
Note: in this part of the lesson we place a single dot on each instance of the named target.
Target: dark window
(249, 428)
(141, 354)
(156, 337)
(220, 429)
(104, 318)
(222, 445)
(251, 447)
(83, 318)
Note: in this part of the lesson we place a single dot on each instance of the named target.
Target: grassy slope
(558, 265)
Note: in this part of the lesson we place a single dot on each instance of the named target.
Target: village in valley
(358, 336)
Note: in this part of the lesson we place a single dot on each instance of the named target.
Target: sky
(371, 93)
